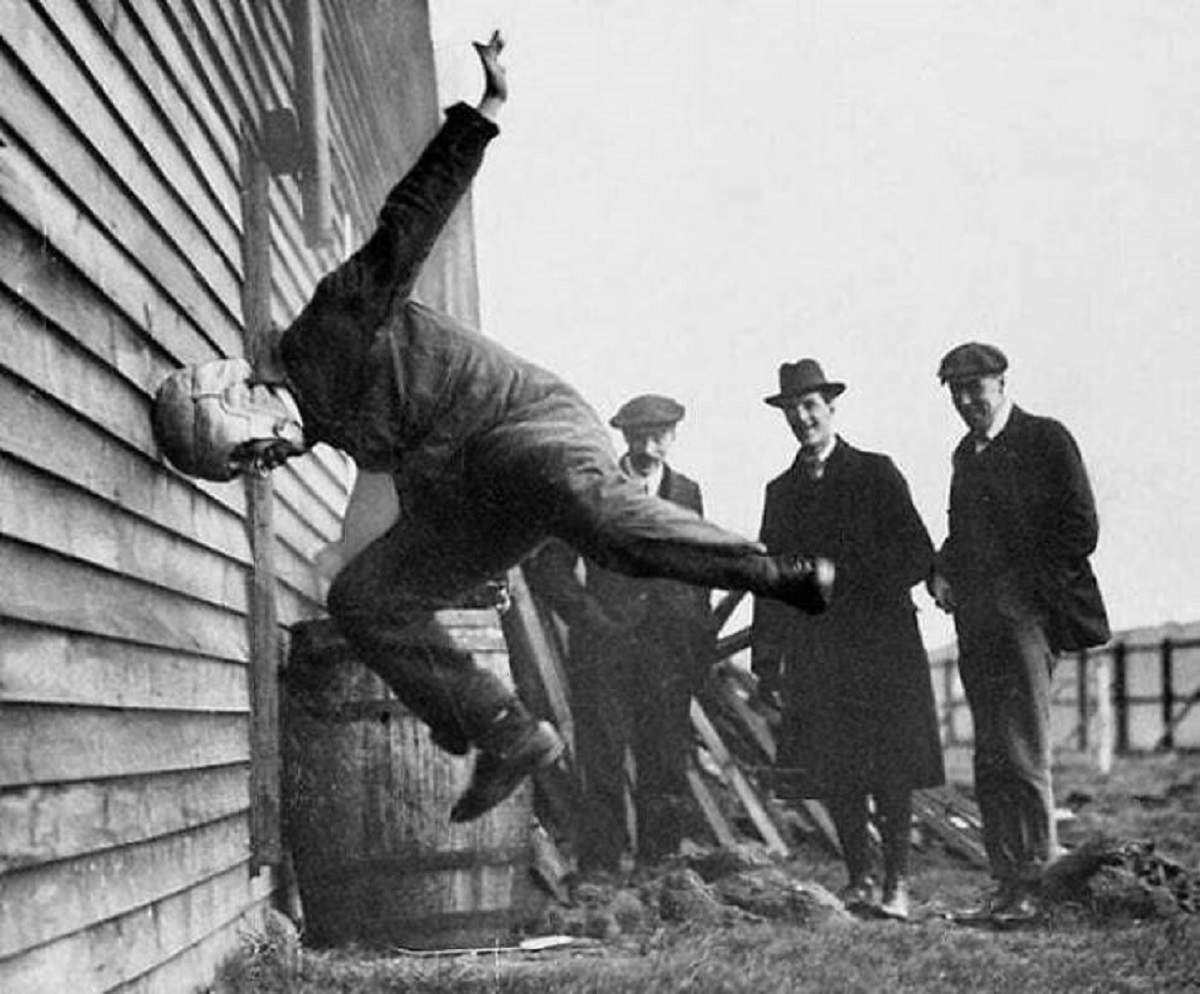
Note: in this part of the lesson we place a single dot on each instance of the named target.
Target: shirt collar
(999, 423)
(823, 455)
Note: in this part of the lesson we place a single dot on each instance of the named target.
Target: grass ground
(1074, 950)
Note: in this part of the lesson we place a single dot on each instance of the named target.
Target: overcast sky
(687, 194)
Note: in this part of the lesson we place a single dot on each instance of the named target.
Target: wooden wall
(124, 747)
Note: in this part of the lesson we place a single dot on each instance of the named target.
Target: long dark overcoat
(859, 709)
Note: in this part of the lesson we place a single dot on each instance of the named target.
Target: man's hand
(941, 592)
(495, 77)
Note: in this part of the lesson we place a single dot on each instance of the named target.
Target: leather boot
(806, 584)
(513, 745)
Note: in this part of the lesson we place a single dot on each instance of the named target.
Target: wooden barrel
(367, 798)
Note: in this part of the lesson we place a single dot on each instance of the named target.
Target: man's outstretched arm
(338, 326)
(418, 207)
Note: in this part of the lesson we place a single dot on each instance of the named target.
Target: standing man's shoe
(514, 748)
(981, 912)
(859, 895)
(1022, 907)
(806, 584)
(895, 902)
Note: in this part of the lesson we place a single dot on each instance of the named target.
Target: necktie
(813, 466)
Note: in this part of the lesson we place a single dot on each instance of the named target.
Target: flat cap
(648, 409)
(970, 361)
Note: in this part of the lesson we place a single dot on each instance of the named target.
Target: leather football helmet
(205, 413)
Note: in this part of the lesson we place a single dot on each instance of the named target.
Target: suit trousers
(633, 691)
(1006, 667)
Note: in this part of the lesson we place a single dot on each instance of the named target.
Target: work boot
(513, 746)
(453, 740)
(804, 583)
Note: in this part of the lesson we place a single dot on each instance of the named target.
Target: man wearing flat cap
(857, 708)
(639, 648)
(1014, 572)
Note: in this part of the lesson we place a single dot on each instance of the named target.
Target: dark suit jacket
(1022, 518)
(859, 707)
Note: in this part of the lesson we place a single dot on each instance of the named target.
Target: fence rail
(1101, 696)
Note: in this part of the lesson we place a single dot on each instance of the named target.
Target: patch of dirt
(700, 887)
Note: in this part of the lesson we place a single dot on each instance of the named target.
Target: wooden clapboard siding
(116, 881)
(50, 744)
(125, 743)
(64, 821)
(159, 938)
(55, 666)
(39, 587)
(75, 125)
(40, 510)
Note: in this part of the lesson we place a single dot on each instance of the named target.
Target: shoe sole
(518, 773)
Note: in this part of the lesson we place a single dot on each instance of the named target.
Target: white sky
(686, 194)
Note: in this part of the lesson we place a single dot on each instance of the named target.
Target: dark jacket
(859, 707)
(396, 385)
(1022, 517)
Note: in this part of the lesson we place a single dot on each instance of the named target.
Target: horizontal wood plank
(192, 968)
(42, 824)
(122, 949)
(52, 666)
(43, 904)
(96, 461)
(42, 745)
(40, 588)
(39, 509)
(82, 166)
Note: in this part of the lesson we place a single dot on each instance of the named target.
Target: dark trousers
(1006, 666)
(850, 813)
(632, 693)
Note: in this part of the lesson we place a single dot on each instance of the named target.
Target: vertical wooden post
(265, 838)
(312, 109)
(1166, 663)
(1104, 713)
(1121, 696)
(1082, 691)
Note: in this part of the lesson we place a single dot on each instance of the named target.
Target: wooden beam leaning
(737, 780)
(709, 807)
(266, 845)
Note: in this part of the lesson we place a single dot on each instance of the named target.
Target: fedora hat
(801, 377)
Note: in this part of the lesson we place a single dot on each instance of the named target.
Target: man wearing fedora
(858, 718)
(639, 648)
(1014, 572)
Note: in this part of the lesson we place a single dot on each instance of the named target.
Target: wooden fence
(1132, 695)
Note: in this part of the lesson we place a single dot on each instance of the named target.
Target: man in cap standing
(1014, 572)
(639, 648)
(858, 718)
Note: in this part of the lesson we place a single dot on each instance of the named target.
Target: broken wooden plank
(954, 820)
(709, 807)
(537, 667)
(737, 780)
